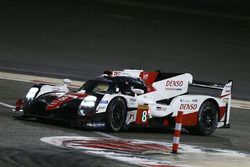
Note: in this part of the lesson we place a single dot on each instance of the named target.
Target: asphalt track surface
(20, 143)
(79, 40)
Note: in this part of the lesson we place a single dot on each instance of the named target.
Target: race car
(118, 100)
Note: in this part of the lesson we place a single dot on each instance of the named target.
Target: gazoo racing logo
(174, 84)
(145, 76)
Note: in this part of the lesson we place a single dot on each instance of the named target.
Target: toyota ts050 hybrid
(119, 100)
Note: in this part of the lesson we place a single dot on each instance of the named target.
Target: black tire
(207, 120)
(116, 115)
(26, 113)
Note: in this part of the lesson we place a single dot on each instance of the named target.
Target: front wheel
(207, 120)
(116, 115)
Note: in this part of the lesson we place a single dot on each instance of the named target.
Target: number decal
(144, 116)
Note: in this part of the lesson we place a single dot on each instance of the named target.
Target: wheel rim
(117, 116)
(208, 118)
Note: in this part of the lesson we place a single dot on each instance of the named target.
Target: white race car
(125, 99)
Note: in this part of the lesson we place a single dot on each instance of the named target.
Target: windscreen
(101, 87)
(93, 86)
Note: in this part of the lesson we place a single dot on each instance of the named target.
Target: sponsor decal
(116, 73)
(131, 117)
(104, 102)
(161, 108)
(145, 76)
(149, 78)
(55, 89)
(132, 100)
(188, 100)
(228, 88)
(72, 96)
(184, 107)
(125, 74)
(143, 106)
(96, 125)
(184, 100)
(174, 85)
(63, 98)
(194, 100)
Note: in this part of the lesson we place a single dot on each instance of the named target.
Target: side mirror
(67, 81)
(138, 91)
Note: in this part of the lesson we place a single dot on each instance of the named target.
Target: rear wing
(226, 89)
(225, 96)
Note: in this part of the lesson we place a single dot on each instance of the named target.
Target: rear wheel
(207, 120)
(116, 115)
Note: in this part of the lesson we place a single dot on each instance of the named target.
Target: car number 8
(144, 116)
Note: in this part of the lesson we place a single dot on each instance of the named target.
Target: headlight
(31, 94)
(89, 101)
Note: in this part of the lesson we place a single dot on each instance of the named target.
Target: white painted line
(106, 135)
(7, 105)
(36, 79)
(241, 104)
(76, 84)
